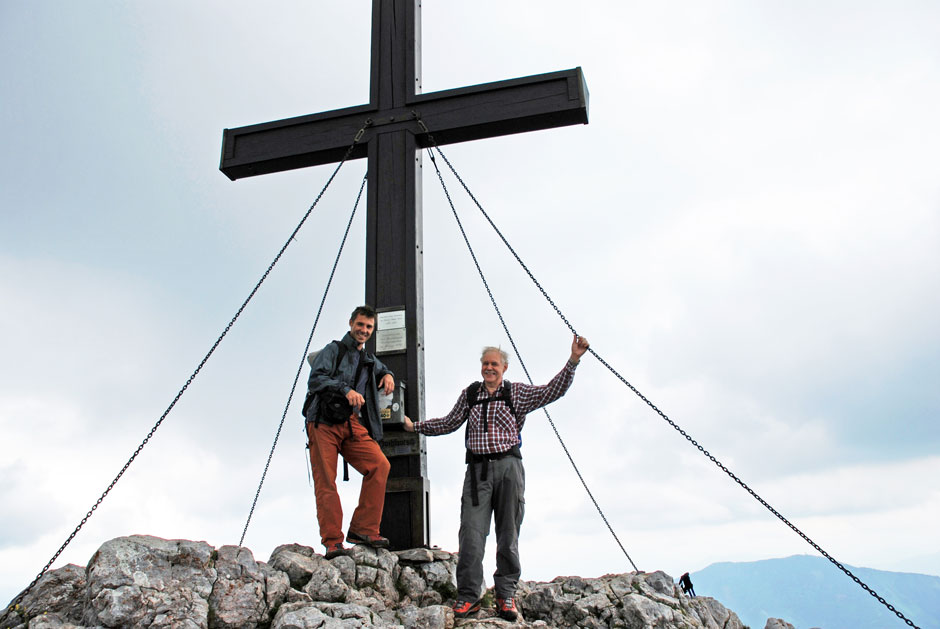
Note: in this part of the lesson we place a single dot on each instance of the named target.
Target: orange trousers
(352, 440)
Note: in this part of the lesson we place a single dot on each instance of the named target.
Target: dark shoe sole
(334, 553)
(352, 538)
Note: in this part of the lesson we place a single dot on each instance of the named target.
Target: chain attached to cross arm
(434, 147)
(192, 377)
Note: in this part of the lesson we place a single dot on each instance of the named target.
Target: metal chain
(303, 357)
(522, 362)
(655, 408)
(202, 363)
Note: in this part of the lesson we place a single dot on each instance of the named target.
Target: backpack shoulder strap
(341, 350)
(505, 395)
(473, 395)
(473, 392)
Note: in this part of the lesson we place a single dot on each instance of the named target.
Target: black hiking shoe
(375, 541)
(335, 550)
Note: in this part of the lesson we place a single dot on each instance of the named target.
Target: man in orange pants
(342, 416)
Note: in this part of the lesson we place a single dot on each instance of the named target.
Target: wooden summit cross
(394, 276)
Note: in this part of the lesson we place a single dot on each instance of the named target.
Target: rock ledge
(144, 581)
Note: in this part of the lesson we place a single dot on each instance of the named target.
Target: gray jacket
(325, 376)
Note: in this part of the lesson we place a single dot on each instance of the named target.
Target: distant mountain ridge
(810, 591)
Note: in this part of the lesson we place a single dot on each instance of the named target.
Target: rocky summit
(143, 581)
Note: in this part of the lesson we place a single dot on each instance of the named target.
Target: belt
(473, 458)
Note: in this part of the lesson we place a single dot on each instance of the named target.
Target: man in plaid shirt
(494, 484)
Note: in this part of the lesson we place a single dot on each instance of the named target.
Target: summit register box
(407, 494)
(392, 407)
(406, 451)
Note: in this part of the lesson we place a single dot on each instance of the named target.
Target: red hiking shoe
(506, 608)
(462, 609)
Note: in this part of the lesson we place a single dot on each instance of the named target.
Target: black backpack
(341, 349)
(473, 398)
(341, 353)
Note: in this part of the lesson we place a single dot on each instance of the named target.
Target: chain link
(303, 357)
(561, 315)
(189, 381)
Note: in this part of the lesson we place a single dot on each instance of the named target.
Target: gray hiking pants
(502, 494)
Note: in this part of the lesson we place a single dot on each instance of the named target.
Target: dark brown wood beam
(470, 113)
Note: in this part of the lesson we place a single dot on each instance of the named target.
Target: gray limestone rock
(306, 551)
(377, 571)
(298, 567)
(276, 586)
(239, 594)
(347, 569)
(385, 585)
(388, 561)
(431, 617)
(636, 600)
(434, 617)
(58, 594)
(350, 613)
(365, 555)
(415, 555)
(411, 583)
(777, 623)
(303, 616)
(296, 596)
(51, 621)
(712, 614)
(150, 582)
(441, 576)
(365, 575)
(325, 582)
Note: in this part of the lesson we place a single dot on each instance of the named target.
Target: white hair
(502, 354)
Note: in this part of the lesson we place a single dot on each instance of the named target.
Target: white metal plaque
(390, 335)
(391, 320)
(394, 340)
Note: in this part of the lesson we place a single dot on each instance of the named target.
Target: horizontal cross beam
(471, 113)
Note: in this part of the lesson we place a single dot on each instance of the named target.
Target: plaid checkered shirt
(502, 428)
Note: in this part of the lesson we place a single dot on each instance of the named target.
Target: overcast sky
(748, 230)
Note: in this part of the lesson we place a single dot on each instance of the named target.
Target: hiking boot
(375, 541)
(506, 608)
(462, 609)
(335, 550)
